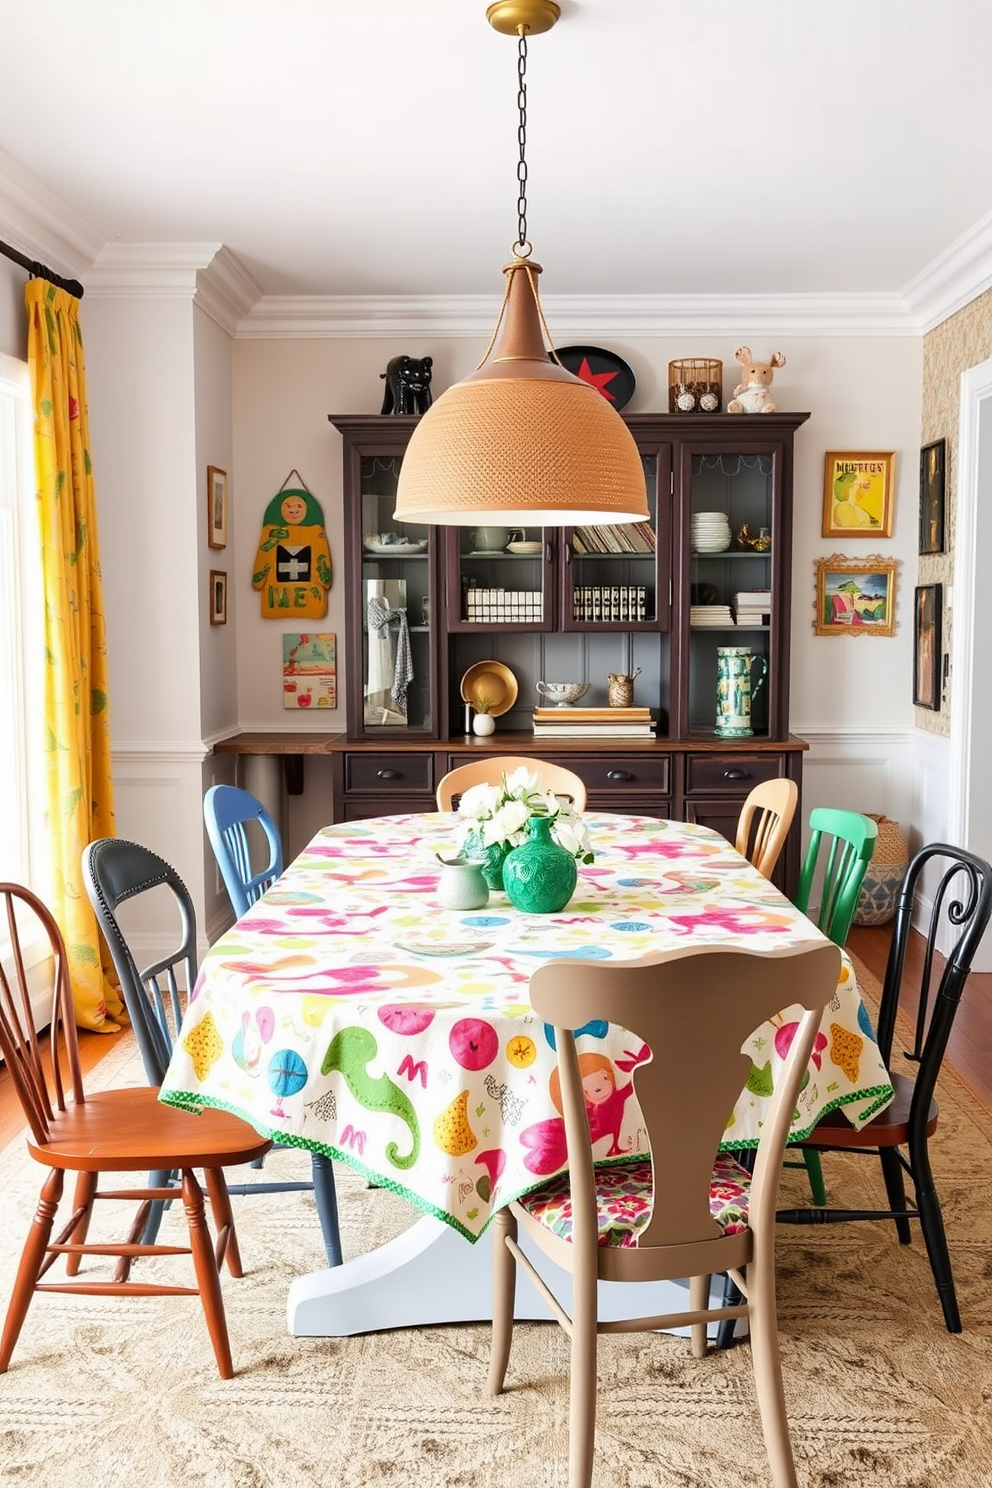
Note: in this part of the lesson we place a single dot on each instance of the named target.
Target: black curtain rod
(38, 271)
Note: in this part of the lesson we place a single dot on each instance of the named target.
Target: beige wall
(962, 341)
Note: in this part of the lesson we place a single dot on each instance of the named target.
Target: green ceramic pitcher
(736, 689)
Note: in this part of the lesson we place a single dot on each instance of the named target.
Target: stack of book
(593, 723)
(630, 537)
(719, 615)
(503, 606)
(753, 606)
(609, 602)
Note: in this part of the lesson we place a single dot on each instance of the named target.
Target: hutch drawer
(735, 772)
(614, 774)
(392, 773)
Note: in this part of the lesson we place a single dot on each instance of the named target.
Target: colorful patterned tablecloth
(350, 1013)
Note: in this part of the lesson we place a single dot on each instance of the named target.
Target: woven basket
(695, 385)
(880, 890)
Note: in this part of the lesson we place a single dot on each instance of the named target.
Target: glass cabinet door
(500, 578)
(616, 577)
(732, 683)
(396, 605)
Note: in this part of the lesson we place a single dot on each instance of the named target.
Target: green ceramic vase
(539, 876)
(492, 858)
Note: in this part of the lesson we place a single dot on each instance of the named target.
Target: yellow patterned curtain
(77, 724)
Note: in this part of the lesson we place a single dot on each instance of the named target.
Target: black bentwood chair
(960, 896)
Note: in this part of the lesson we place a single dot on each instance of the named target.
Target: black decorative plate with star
(605, 371)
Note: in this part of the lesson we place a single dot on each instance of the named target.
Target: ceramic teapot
(736, 689)
(620, 693)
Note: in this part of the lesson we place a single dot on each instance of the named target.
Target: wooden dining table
(349, 1012)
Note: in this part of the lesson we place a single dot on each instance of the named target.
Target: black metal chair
(115, 870)
(961, 901)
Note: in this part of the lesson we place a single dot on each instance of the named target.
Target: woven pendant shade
(521, 439)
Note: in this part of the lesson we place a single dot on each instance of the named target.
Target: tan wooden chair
(697, 1007)
(764, 823)
(113, 1131)
(489, 770)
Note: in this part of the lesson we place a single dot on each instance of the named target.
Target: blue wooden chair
(228, 813)
(115, 870)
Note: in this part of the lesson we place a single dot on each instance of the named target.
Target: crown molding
(36, 222)
(226, 291)
(209, 274)
(297, 317)
(148, 270)
(954, 278)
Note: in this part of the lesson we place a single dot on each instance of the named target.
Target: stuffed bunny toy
(751, 394)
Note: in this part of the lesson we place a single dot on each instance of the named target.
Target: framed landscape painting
(855, 598)
(857, 493)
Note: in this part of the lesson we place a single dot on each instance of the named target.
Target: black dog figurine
(408, 384)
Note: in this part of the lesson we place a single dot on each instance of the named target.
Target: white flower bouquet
(496, 816)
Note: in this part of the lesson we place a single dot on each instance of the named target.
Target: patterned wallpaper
(960, 342)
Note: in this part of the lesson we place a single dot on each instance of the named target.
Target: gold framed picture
(216, 507)
(857, 493)
(855, 598)
(218, 597)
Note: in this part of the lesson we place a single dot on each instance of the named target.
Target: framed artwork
(218, 597)
(216, 507)
(854, 597)
(926, 646)
(932, 458)
(857, 493)
(309, 670)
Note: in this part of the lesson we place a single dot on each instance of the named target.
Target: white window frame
(23, 855)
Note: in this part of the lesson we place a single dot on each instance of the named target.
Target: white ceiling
(368, 147)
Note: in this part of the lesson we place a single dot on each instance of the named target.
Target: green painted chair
(843, 842)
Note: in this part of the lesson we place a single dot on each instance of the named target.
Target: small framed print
(218, 597)
(216, 507)
(857, 493)
(926, 646)
(932, 466)
(855, 598)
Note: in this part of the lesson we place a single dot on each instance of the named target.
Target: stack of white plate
(710, 532)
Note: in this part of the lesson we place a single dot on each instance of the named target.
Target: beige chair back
(764, 823)
(489, 771)
(695, 1008)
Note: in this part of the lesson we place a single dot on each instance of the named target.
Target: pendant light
(520, 439)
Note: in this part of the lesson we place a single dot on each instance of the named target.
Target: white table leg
(430, 1274)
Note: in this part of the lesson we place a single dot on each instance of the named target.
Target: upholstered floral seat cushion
(623, 1200)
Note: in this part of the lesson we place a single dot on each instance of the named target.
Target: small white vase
(483, 724)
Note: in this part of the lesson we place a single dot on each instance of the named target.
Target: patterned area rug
(110, 1391)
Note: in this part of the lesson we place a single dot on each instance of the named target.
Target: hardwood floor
(969, 1051)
